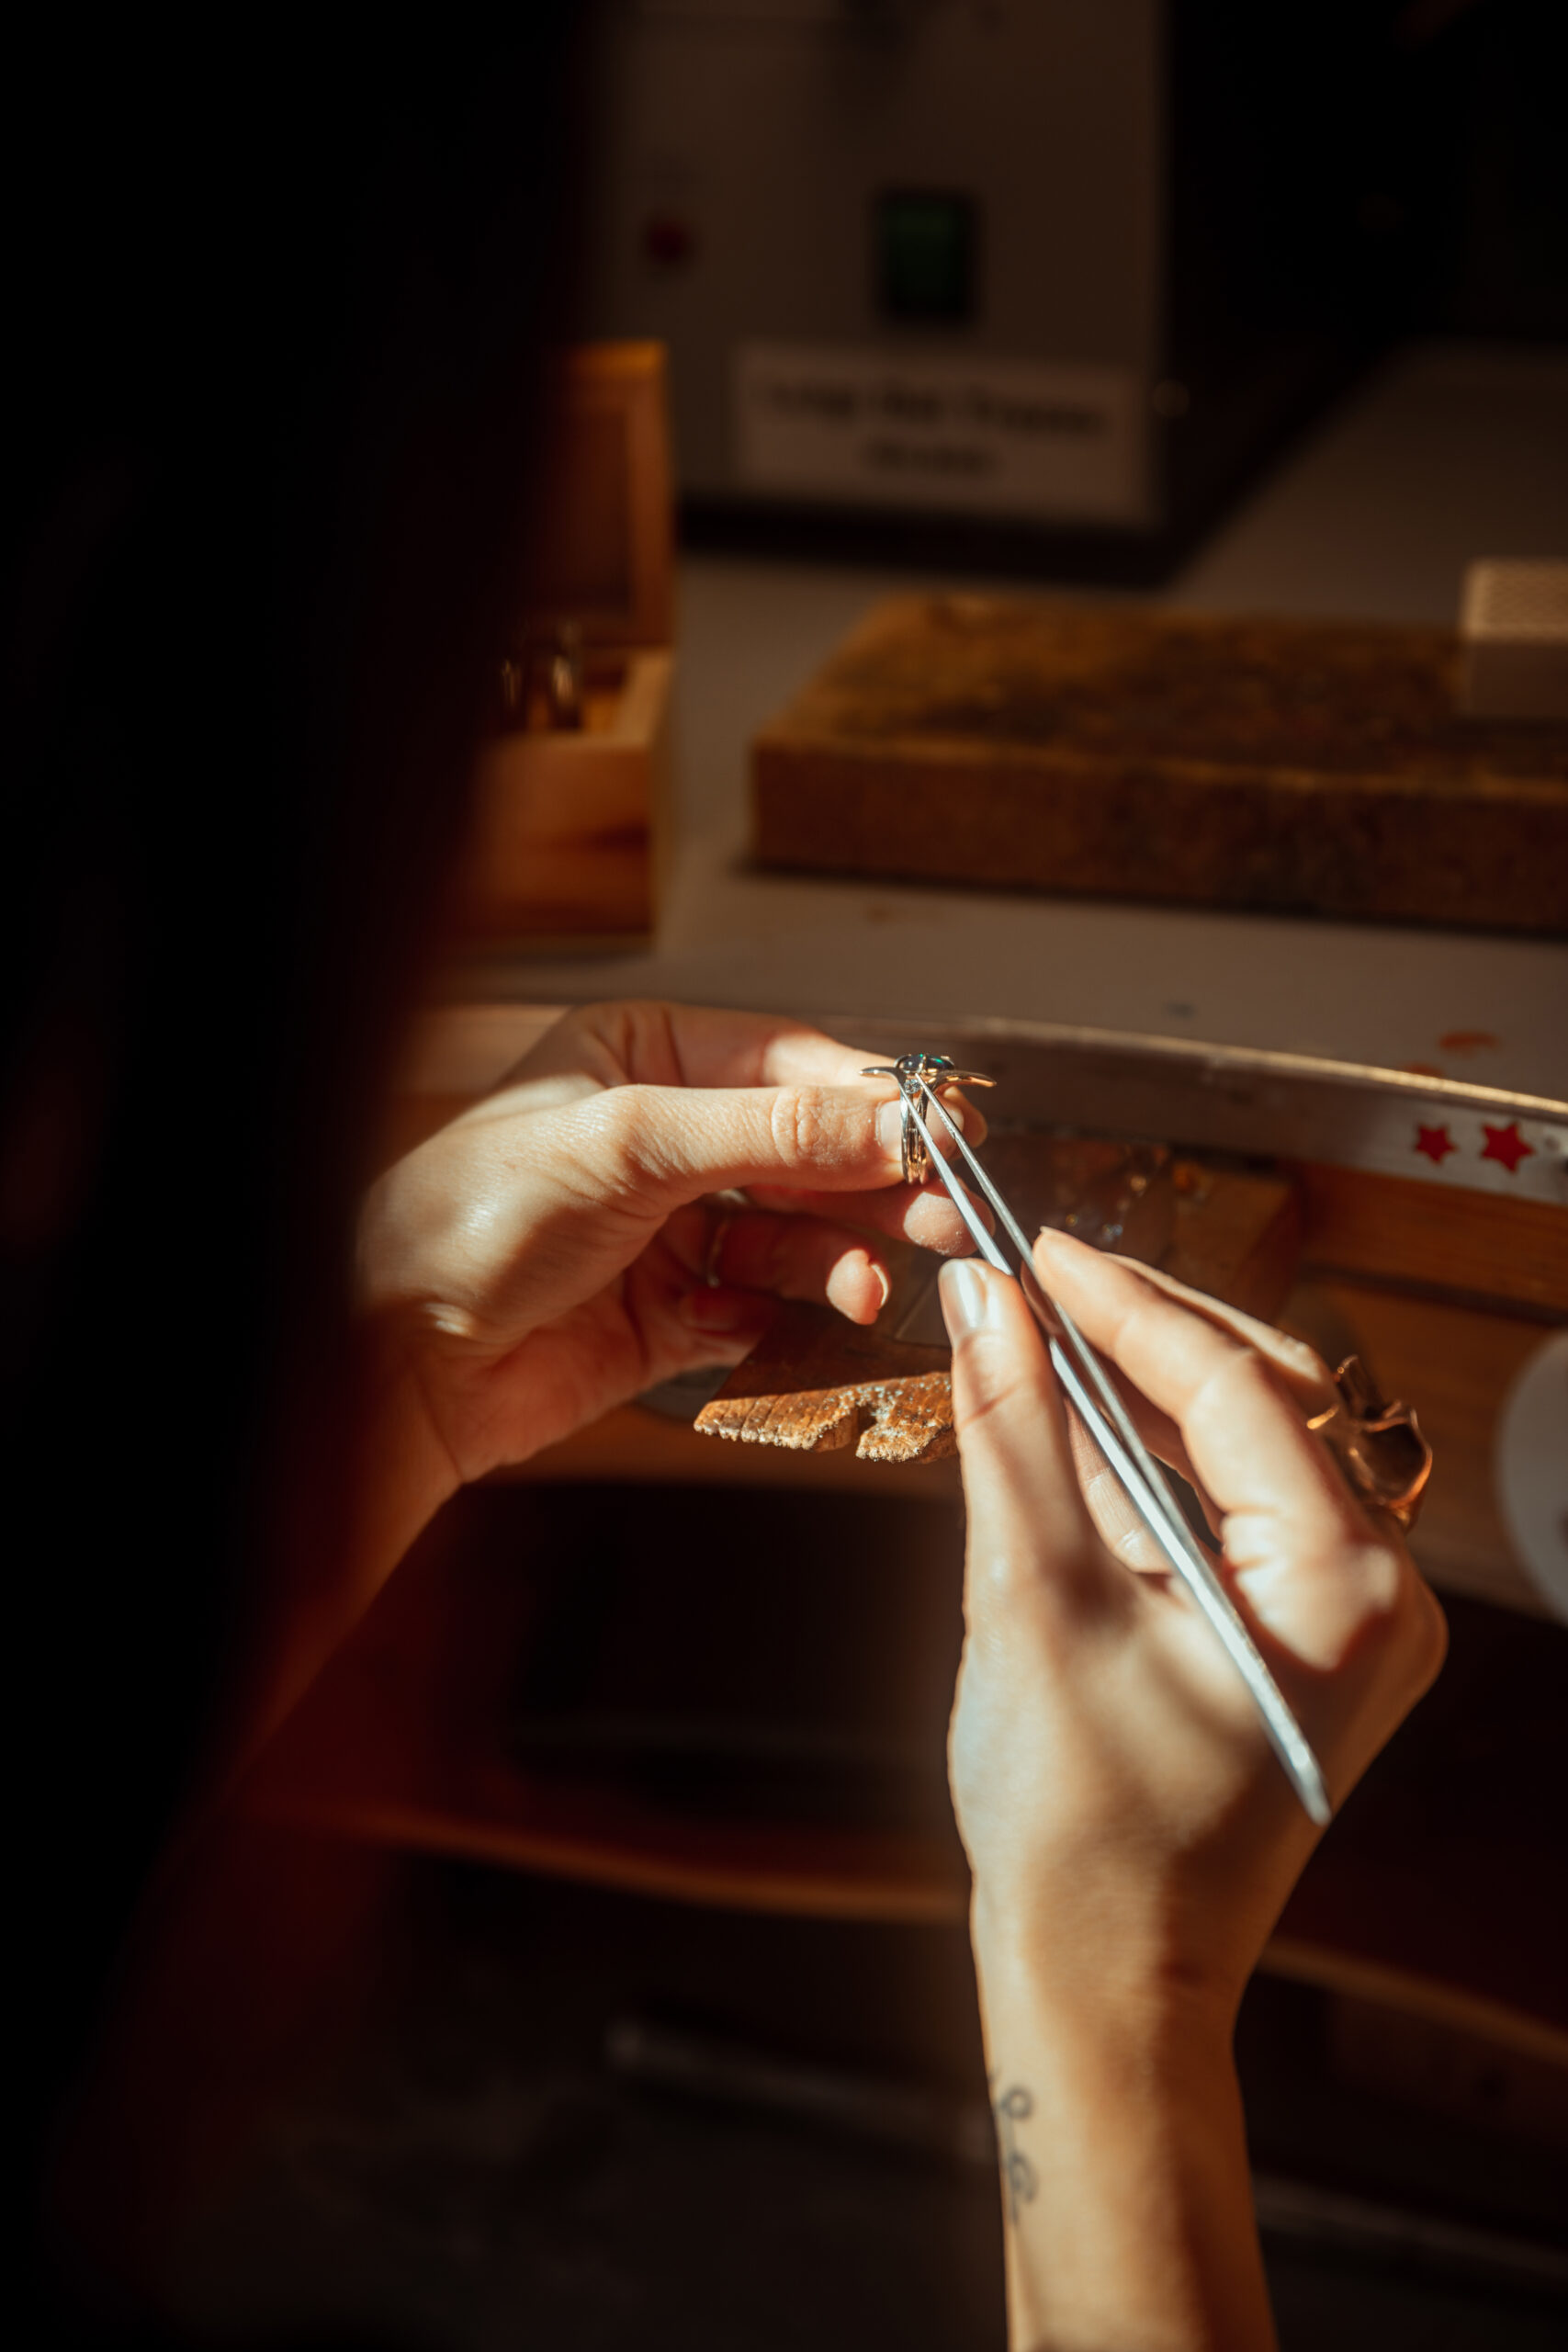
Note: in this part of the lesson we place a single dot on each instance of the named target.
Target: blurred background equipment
(1515, 625)
(572, 797)
(966, 280)
(1531, 1468)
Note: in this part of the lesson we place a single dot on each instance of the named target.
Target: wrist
(1111, 1983)
(407, 1469)
(1126, 2195)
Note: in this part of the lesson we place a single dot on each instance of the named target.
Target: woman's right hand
(1131, 1836)
(1125, 1817)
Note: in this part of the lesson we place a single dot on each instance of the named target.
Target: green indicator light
(925, 254)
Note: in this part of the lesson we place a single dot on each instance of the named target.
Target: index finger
(1299, 1366)
(654, 1043)
(1249, 1445)
(1316, 1573)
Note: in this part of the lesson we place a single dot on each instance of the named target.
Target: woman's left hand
(556, 1250)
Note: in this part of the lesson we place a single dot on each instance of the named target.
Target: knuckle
(800, 1128)
(1377, 1576)
(1399, 1614)
(1247, 1368)
(619, 1141)
(1239, 1380)
(989, 1389)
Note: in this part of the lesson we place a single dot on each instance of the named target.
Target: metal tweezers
(1099, 1406)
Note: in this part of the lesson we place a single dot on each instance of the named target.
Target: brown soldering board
(1308, 767)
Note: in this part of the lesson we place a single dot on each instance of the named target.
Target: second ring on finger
(745, 1248)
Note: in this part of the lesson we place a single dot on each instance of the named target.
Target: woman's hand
(552, 1253)
(1121, 1805)
(1131, 1836)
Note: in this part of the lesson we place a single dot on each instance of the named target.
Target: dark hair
(275, 313)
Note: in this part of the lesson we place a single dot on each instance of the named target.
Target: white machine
(976, 280)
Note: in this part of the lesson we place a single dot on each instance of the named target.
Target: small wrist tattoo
(1020, 2179)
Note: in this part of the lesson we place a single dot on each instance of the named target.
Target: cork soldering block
(1298, 766)
(1514, 625)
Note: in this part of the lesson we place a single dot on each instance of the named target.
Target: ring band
(1377, 1445)
(916, 1159)
(912, 1071)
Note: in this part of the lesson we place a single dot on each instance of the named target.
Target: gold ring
(1377, 1445)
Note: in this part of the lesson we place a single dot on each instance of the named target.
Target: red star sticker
(1436, 1142)
(1506, 1145)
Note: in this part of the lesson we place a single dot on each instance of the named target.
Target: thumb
(1030, 1530)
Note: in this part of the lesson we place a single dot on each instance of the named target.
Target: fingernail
(965, 1293)
(719, 1310)
(1055, 1238)
(846, 1286)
